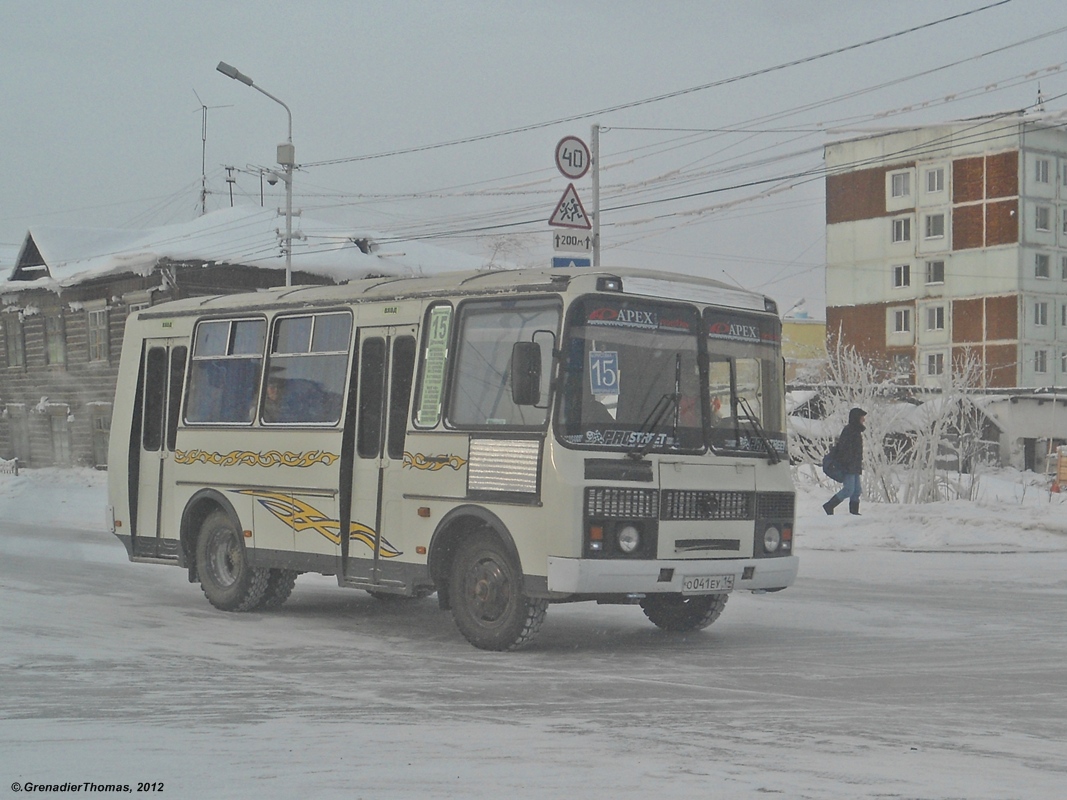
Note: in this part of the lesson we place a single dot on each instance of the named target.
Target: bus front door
(163, 376)
(386, 366)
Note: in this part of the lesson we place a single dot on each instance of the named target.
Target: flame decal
(433, 463)
(301, 516)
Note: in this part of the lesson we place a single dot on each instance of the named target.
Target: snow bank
(58, 498)
(1014, 512)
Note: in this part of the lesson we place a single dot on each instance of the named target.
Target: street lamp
(286, 158)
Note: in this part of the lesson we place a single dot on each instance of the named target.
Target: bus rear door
(163, 378)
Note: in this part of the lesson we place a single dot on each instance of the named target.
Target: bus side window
(371, 395)
(480, 390)
(306, 371)
(155, 398)
(226, 363)
(430, 392)
(174, 401)
(400, 393)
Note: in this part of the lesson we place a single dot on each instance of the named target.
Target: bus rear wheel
(229, 582)
(680, 614)
(280, 584)
(488, 604)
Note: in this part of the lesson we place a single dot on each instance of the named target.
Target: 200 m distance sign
(572, 157)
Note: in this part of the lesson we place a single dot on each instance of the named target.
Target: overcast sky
(102, 114)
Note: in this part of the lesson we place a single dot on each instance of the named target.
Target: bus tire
(229, 582)
(681, 614)
(488, 604)
(280, 584)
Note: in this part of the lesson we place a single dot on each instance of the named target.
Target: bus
(506, 439)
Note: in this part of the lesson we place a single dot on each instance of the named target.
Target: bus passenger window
(307, 369)
(226, 364)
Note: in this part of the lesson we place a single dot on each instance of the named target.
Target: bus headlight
(629, 539)
(772, 538)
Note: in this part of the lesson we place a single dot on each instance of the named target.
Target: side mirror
(526, 373)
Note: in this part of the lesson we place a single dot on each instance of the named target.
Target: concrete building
(948, 240)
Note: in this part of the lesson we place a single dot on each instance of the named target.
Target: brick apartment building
(949, 239)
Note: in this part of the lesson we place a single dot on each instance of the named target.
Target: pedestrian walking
(848, 454)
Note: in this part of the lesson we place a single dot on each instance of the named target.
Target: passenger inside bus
(273, 402)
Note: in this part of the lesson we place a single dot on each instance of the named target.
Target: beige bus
(506, 439)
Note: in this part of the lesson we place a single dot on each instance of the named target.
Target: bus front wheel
(228, 581)
(488, 604)
(679, 613)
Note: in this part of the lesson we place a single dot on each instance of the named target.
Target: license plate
(708, 584)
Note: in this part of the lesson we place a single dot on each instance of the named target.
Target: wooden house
(65, 299)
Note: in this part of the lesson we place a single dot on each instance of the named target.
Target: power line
(661, 97)
(787, 181)
(679, 176)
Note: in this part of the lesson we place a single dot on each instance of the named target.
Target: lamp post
(287, 160)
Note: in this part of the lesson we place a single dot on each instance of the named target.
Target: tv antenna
(203, 151)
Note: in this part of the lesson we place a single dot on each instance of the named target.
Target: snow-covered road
(887, 671)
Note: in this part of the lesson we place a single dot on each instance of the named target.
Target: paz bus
(505, 439)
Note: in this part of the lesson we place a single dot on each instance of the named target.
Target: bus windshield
(631, 380)
(630, 376)
(745, 376)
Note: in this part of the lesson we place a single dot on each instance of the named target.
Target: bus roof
(644, 282)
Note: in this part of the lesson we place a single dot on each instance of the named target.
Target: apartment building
(950, 240)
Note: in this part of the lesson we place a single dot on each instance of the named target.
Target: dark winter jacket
(848, 452)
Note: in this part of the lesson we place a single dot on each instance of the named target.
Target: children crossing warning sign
(569, 212)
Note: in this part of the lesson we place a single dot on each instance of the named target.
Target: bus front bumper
(620, 576)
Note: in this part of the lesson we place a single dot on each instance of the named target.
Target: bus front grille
(775, 505)
(691, 504)
(611, 503)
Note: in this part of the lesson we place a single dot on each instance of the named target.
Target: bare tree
(507, 249)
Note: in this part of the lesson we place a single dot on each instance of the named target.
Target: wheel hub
(225, 560)
(490, 590)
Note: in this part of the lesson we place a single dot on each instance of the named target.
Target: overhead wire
(610, 191)
(668, 95)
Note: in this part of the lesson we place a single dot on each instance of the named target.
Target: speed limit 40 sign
(572, 157)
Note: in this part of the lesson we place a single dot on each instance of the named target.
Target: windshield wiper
(663, 406)
(757, 428)
(666, 404)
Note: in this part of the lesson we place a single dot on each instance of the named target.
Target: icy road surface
(887, 671)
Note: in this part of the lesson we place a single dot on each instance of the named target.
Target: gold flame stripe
(301, 516)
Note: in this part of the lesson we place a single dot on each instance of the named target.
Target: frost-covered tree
(916, 450)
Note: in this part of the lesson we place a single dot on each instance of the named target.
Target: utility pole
(203, 161)
(596, 194)
(230, 181)
(287, 160)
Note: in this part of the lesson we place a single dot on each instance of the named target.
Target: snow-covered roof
(246, 235)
